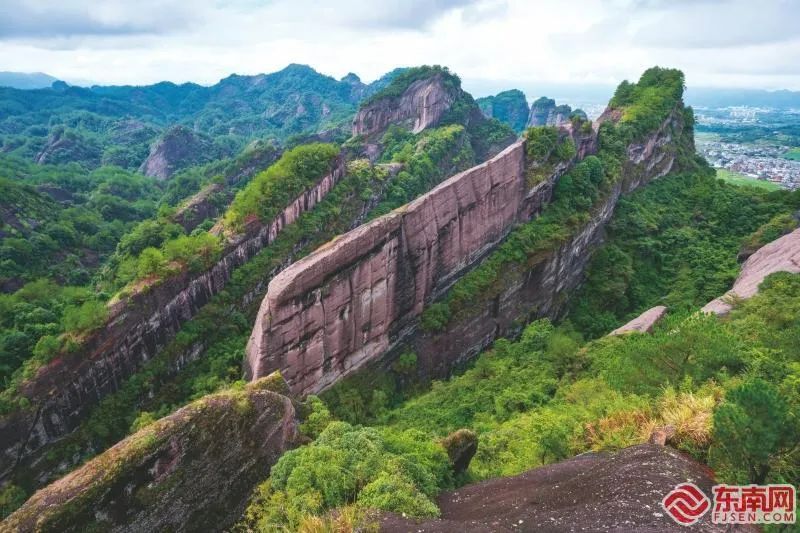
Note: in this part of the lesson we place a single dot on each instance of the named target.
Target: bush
(85, 318)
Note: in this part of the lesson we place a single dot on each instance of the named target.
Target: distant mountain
(26, 80)
(711, 97)
(509, 107)
(238, 109)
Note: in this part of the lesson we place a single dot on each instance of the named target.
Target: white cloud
(716, 42)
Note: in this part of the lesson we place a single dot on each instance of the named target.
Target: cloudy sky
(492, 44)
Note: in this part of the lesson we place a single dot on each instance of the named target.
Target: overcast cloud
(739, 43)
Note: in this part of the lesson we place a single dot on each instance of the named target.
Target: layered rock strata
(359, 298)
(191, 471)
(62, 393)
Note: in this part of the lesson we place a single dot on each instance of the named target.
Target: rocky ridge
(62, 392)
(193, 470)
(359, 298)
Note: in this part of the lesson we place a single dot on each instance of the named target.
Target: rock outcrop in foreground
(190, 471)
(781, 255)
(591, 492)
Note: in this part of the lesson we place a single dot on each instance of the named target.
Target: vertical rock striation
(420, 106)
(360, 297)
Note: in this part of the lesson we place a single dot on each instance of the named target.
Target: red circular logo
(686, 504)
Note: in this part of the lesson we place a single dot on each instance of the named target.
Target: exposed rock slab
(781, 255)
(591, 492)
(358, 298)
(178, 148)
(420, 106)
(643, 323)
(191, 471)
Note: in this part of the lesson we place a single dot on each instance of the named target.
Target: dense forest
(84, 231)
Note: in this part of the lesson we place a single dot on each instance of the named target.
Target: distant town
(751, 142)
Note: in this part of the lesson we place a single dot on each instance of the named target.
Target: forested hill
(117, 124)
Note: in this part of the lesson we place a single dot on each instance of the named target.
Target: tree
(752, 430)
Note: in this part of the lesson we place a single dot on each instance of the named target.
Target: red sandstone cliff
(357, 298)
(420, 106)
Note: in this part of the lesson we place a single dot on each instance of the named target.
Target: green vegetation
(793, 153)
(427, 159)
(276, 187)
(544, 150)
(734, 178)
(388, 470)
(403, 80)
(675, 243)
(647, 103)
(68, 238)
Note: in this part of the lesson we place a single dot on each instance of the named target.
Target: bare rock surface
(190, 471)
(643, 323)
(619, 492)
(420, 106)
(354, 300)
(178, 148)
(781, 255)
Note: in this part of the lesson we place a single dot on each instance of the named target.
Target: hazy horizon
(717, 43)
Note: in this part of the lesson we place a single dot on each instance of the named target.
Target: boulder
(619, 491)
(781, 255)
(643, 323)
(191, 471)
(461, 446)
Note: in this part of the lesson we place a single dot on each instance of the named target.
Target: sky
(491, 44)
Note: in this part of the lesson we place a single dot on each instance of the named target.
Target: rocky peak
(545, 112)
(417, 99)
(178, 148)
(509, 107)
(68, 146)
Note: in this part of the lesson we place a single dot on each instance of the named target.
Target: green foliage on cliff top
(675, 243)
(404, 79)
(647, 103)
(388, 470)
(272, 190)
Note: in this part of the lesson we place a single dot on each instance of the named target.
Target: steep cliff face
(191, 471)
(178, 148)
(420, 106)
(64, 391)
(349, 302)
(359, 298)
